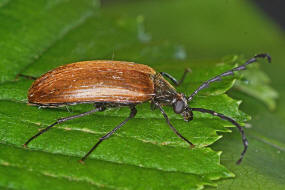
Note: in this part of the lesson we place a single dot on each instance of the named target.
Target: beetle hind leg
(61, 121)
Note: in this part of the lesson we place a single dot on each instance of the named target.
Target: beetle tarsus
(239, 161)
(264, 55)
(81, 161)
(39, 133)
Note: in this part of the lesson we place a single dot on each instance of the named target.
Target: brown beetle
(117, 83)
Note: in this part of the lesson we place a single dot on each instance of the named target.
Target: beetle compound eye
(179, 106)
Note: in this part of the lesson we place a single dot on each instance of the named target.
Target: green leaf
(145, 153)
(256, 83)
(265, 159)
(159, 153)
(150, 136)
(30, 28)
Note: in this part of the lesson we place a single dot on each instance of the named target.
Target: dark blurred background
(275, 9)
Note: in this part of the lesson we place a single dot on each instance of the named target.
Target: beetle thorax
(165, 93)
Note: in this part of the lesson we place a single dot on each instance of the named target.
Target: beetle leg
(173, 128)
(26, 76)
(132, 115)
(62, 120)
(152, 105)
(174, 80)
(244, 139)
(230, 72)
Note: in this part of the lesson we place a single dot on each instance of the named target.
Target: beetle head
(180, 106)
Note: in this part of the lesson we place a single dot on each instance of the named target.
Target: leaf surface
(145, 152)
(25, 38)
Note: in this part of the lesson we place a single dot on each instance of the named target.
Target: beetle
(109, 84)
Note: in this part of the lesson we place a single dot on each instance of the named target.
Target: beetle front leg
(153, 106)
(173, 128)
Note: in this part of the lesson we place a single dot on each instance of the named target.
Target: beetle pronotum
(116, 83)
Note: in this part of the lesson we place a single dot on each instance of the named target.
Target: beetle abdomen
(94, 81)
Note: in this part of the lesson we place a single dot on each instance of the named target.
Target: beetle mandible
(108, 84)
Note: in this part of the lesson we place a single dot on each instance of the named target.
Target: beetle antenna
(244, 139)
(230, 72)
